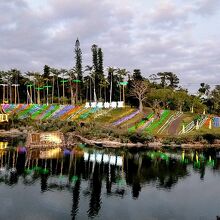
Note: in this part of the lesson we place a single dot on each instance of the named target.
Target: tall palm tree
(64, 80)
(72, 75)
(111, 71)
(104, 84)
(121, 74)
(30, 86)
(56, 74)
(39, 83)
(90, 69)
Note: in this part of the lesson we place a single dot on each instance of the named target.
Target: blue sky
(152, 35)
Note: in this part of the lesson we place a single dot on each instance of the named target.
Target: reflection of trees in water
(68, 172)
(95, 186)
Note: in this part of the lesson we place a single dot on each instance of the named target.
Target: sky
(181, 36)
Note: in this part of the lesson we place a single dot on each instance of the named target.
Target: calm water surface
(106, 184)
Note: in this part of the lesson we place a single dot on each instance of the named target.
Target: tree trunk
(111, 90)
(52, 90)
(140, 105)
(58, 91)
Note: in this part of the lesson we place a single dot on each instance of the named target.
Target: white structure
(87, 105)
(93, 104)
(100, 104)
(106, 105)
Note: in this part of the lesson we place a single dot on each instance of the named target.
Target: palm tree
(55, 73)
(30, 85)
(40, 83)
(111, 71)
(121, 74)
(63, 72)
(104, 84)
(72, 74)
(90, 69)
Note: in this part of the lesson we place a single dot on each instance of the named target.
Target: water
(107, 184)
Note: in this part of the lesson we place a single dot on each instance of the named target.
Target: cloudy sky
(152, 35)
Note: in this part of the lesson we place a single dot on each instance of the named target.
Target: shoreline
(114, 144)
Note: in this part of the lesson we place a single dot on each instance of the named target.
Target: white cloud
(164, 36)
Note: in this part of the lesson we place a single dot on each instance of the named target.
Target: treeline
(85, 83)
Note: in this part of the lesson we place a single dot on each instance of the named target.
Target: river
(108, 184)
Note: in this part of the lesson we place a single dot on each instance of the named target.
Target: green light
(39, 88)
(64, 81)
(123, 83)
(76, 80)
(74, 178)
(47, 86)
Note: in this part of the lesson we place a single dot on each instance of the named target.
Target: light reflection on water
(109, 184)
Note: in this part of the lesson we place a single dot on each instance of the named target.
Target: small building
(45, 139)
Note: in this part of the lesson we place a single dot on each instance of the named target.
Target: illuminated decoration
(216, 122)
(102, 113)
(66, 152)
(200, 121)
(50, 137)
(88, 113)
(3, 145)
(64, 80)
(126, 118)
(45, 139)
(120, 104)
(39, 111)
(171, 119)
(87, 105)
(93, 104)
(69, 113)
(204, 112)
(156, 123)
(105, 158)
(49, 154)
(210, 124)
(141, 123)
(21, 149)
(76, 80)
(197, 125)
(192, 109)
(100, 104)
(3, 117)
(183, 129)
(123, 83)
(106, 104)
(113, 104)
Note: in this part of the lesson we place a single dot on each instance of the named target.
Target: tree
(139, 91)
(204, 89)
(173, 80)
(137, 75)
(95, 57)
(100, 73)
(111, 71)
(78, 70)
(121, 74)
(90, 69)
(215, 95)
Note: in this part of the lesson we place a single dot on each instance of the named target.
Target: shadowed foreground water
(102, 184)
